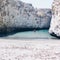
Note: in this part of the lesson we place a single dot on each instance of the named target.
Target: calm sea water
(39, 34)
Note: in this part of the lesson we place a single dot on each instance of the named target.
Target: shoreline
(33, 40)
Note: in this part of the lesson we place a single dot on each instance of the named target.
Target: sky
(40, 3)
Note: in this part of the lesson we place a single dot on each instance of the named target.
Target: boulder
(55, 21)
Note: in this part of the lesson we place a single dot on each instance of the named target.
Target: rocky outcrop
(17, 14)
(55, 22)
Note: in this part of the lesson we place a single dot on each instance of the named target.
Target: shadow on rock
(11, 31)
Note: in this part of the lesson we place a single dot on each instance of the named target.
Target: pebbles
(29, 50)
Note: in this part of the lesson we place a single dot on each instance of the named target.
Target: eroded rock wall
(17, 14)
(55, 22)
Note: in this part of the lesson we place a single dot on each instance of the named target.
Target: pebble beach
(13, 49)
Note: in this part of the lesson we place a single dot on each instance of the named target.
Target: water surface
(38, 34)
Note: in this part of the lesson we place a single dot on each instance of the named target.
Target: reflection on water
(38, 34)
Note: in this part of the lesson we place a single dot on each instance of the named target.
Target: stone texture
(29, 49)
(55, 22)
(17, 14)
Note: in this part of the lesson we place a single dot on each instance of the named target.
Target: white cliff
(17, 14)
(55, 22)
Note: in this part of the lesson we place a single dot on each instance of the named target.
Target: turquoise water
(39, 34)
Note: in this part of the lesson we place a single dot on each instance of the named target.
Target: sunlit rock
(55, 22)
(15, 14)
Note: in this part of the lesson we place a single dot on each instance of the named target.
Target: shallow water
(38, 34)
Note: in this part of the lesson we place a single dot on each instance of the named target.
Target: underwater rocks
(55, 22)
(17, 14)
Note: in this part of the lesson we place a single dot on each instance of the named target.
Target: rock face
(55, 22)
(17, 14)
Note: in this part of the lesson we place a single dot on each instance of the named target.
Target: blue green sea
(38, 34)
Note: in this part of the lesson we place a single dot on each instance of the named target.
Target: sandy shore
(29, 49)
